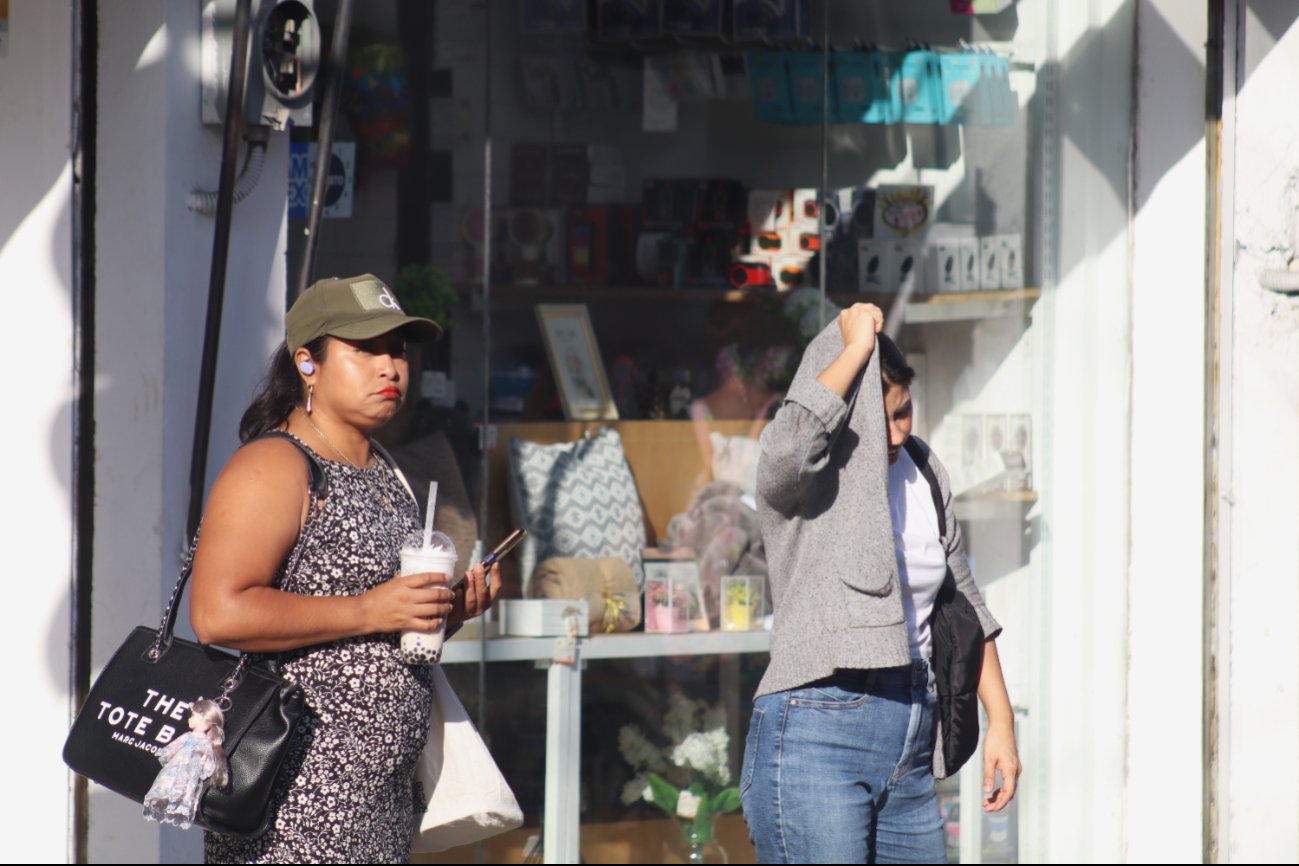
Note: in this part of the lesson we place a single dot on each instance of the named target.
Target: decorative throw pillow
(735, 459)
(577, 499)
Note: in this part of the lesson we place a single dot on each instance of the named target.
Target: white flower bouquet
(690, 777)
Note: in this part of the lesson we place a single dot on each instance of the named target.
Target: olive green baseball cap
(354, 308)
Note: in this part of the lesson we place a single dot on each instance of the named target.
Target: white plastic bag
(468, 798)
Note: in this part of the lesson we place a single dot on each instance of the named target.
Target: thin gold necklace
(378, 494)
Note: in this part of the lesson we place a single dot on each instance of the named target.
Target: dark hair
(279, 392)
(893, 364)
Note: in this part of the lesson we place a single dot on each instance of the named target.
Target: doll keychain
(190, 763)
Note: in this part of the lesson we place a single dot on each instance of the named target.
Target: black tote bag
(141, 700)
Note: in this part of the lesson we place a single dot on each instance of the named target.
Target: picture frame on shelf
(576, 363)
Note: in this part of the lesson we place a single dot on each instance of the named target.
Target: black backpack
(957, 645)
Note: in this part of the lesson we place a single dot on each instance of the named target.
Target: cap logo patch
(372, 295)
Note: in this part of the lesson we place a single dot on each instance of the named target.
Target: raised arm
(250, 525)
(797, 441)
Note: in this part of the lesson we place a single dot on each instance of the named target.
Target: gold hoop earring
(310, 389)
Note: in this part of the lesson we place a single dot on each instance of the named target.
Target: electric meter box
(283, 61)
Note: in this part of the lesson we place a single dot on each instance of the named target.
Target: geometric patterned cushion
(577, 499)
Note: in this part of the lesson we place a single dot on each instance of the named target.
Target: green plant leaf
(727, 800)
(665, 793)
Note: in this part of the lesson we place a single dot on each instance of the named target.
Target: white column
(1163, 791)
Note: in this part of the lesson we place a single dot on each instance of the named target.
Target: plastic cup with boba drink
(435, 552)
(438, 557)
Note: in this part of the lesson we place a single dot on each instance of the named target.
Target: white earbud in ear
(307, 367)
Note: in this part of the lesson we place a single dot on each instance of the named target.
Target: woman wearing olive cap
(344, 793)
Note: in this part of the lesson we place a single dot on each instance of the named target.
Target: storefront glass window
(633, 216)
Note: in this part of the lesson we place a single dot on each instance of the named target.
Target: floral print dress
(344, 794)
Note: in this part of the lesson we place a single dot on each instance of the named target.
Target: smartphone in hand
(499, 551)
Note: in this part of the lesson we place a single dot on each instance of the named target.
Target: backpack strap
(920, 456)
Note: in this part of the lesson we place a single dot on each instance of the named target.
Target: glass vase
(700, 842)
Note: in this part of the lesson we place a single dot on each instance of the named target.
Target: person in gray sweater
(840, 757)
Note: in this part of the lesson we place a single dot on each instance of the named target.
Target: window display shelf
(955, 307)
(516, 293)
(963, 306)
(609, 646)
(994, 505)
(936, 308)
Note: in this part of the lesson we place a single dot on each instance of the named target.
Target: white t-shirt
(922, 561)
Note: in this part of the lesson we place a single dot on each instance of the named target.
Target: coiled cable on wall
(1279, 281)
(205, 201)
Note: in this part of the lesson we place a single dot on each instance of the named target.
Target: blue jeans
(839, 771)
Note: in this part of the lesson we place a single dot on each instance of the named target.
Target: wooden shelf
(557, 294)
(963, 306)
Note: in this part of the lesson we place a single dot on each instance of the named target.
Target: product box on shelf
(620, 20)
(673, 595)
(1019, 448)
(770, 210)
(944, 265)
(943, 260)
(971, 265)
(792, 270)
(773, 100)
(742, 603)
(763, 20)
(994, 436)
(751, 273)
(907, 269)
(544, 617)
(990, 262)
(1012, 260)
(874, 265)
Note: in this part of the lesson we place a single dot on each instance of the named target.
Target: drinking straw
(428, 516)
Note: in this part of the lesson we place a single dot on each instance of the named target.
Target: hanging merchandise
(805, 86)
(376, 97)
(769, 81)
(919, 87)
(960, 73)
(853, 79)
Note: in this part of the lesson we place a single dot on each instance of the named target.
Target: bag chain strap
(230, 683)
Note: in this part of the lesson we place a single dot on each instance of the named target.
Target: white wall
(1258, 691)
(1163, 790)
(36, 360)
(152, 269)
(1073, 809)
